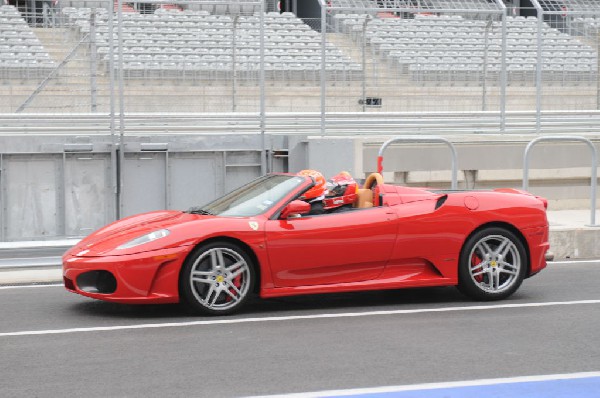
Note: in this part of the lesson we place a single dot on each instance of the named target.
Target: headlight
(161, 233)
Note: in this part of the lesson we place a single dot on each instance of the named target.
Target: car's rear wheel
(217, 278)
(492, 265)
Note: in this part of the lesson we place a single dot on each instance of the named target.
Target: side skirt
(379, 284)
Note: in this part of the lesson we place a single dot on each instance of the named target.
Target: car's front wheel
(492, 264)
(217, 278)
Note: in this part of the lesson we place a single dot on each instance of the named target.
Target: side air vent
(440, 201)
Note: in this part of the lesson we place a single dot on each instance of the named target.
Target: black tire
(216, 279)
(492, 266)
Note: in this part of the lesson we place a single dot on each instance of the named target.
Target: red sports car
(262, 239)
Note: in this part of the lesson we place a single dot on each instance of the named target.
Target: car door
(332, 248)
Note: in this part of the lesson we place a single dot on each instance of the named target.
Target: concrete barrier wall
(52, 187)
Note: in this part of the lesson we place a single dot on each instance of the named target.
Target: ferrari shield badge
(253, 225)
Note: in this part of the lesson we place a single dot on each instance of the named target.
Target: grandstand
(453, 48)
(390, 54)
(200, 45)
(22, 56)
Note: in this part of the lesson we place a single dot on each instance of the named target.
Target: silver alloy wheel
(220, 278)
(494, 263)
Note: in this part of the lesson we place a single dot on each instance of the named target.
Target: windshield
(254, 198)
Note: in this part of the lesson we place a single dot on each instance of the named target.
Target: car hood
(107, 239)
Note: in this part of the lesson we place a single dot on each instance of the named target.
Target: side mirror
(295, 209)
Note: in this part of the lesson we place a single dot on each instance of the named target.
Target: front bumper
(149, 277)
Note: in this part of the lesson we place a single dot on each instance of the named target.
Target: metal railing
(594, 177)
(441, 123)
(422, 139)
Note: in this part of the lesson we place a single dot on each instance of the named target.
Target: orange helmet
(318, 189)
(341, 190)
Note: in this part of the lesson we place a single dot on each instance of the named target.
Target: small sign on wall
(373, 102)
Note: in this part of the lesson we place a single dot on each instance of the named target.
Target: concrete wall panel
(192, 179)
(32, 186)
(89, 201)
(144, 183)
(240, 168)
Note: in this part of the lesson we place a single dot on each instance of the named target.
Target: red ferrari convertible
(261, 239)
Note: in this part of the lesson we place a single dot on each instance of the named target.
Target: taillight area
(544, 201)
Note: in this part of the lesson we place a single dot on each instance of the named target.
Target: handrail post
(594, 175)
(422, 139)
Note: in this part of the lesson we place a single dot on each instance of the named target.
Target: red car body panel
(413, 239)
(348, 247)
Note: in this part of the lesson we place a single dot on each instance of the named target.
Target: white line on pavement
(41, 258)
(30, 286)
(564, 262)
(37, 244)
(435, 386)
(28, 262)
(296, 317)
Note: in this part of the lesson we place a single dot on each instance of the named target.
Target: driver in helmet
(341, 193)
(315, 195)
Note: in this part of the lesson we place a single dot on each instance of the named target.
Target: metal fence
(242, 56)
